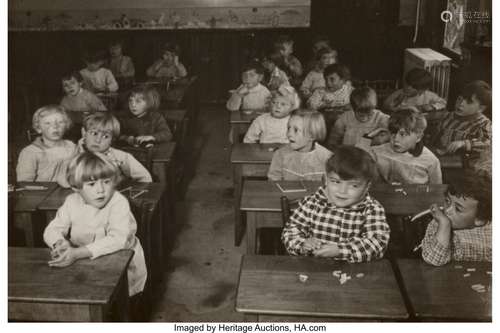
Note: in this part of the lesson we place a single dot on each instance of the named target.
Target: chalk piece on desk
(126, 189)
(271, 149)
(466, 274)
(359, 275)
(477, 285)
(396, 184)
(136, 195)
(488, 272)
(336, 273)
(459, 266)
(303, 278)
(471, 269)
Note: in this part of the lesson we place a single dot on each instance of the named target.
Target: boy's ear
(420, 136)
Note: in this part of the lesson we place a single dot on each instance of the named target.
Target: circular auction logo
(446, 16)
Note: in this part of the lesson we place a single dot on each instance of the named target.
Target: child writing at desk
(95, 220)
(341, 220)
(405, 159)
(77, 98)
(98, 132)
(416, 94)
(144, 124)
(303, 158)
(467, 128)
(168, 66)
(96, 78)
(45, 159)
(272, 127)
(363, 119)
(251, 94)
(461, 230)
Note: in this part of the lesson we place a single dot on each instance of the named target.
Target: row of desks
(270, 289)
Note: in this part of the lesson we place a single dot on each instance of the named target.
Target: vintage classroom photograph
(266, 165)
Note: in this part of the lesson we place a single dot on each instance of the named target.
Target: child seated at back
(98, 133)
(337, 90)
(352, 125)
(121, 65)
(416, 94)
(168, 66)
(272, 127)
(303, 158)
(251, 94)
(291, 65)
(144, 124)
(462, 229)
(95, 220)
(315, 78)
(45, 159)
(276, 77)
(77, 98)
(467, 128)
(319, 42)
(405, 159)
(96, 78)
(341, 220)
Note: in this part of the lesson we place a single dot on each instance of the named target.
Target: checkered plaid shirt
(360, 231)
(466, 245)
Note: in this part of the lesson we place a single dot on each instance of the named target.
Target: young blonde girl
(303, 158)
(44, 159)
(405, 159)
(95, 220)
(144, 123)
(271, 127)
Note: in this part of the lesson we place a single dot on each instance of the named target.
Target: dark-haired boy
(341, 220)
(462, 229)
(251, 94)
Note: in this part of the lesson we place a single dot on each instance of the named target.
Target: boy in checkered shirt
(341, 220)
(462, 229)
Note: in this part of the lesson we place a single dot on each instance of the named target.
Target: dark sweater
(152, 123)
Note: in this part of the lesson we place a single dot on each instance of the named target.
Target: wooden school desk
(26, 203)
(443, 293)
(150, 216)
(269, 289)
(239, 123)
(248, 160)
(84, 291)
(260, 202)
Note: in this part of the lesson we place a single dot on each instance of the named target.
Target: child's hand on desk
(454, 146)
(144, 138)
(130, 140)
(327, 251)
(69, 256)
(311, 244)
(59, 248)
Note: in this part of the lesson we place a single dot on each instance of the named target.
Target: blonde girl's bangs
(90, 167)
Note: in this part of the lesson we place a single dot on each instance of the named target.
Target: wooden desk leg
(24, 221)
(238, 223)
(251, 232)
(233, 138)
(172, 188)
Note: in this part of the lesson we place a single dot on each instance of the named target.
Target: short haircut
(151, 96)
(472, 185)
(351, 162)
(283, 39)
(47, 110)
(313, 123)
(102, 121)
(325, 50)
(481, 90)
(341, 70)
(411, 120)
(171, 47)
(289, 93)
(115, 42)
(72, 75)
(321, 38)
(419, 79)
(94, 56)
(89, 167)
(363, 99)
(253, 65)
(273, 56)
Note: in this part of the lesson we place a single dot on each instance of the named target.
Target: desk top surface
(444, 293)
(271, 285)
(243, 117)
(152, 195)
(163, 152)
(253, 152)
(29, 200)
(260, 195)
(85, 281)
